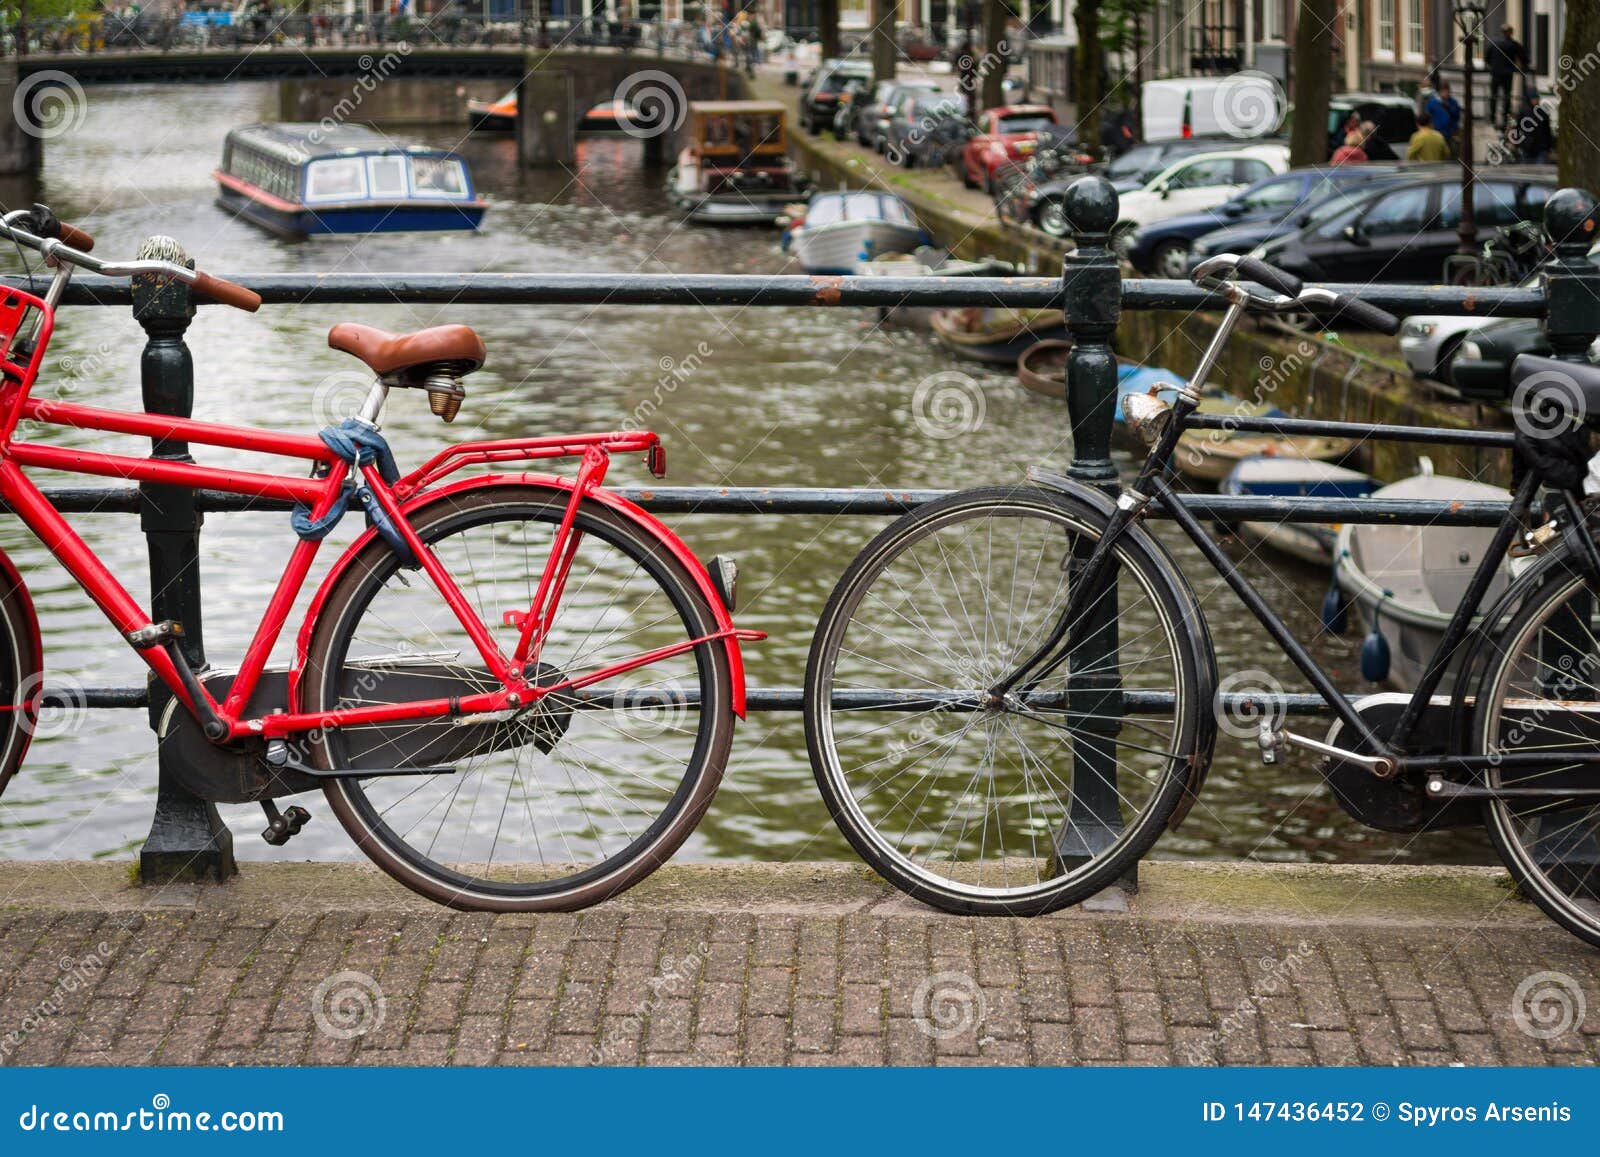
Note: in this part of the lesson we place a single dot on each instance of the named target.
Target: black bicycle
(1013, 691)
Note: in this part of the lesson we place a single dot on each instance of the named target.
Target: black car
(924, 124)
(1246, 235)
(1404, 232)
(822, 94)
(1164, 248)
(1481, 368)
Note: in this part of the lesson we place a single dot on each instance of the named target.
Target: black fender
(21, 669)
(1204, 655)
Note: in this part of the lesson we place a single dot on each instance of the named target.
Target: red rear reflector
(656, 460)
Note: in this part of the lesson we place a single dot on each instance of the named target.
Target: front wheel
(580, 795)
(1041, 800)
(1540, 693)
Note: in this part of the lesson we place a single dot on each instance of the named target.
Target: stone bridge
(388, 84)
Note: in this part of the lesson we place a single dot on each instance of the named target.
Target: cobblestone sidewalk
(800, 964)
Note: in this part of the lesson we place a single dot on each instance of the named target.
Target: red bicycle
(516, 690)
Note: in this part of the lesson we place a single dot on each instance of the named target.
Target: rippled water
(746, 397)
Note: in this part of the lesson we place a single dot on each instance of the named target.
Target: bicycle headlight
(1146, 415)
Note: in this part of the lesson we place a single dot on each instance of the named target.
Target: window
(1492, 205)
(1203, 174)
(1271, 21)
(1386, 27)
(438, 177)
(1279, 194)
(341, 179)
(386, 176)
(1414, 29)
(1247, 171)
(1403, 211)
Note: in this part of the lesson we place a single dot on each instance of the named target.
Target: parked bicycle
(516, 690)
(1507, 257)
(1012, 691)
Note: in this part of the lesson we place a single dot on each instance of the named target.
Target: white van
(1246, 104)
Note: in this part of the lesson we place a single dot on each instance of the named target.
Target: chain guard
(1399, 804)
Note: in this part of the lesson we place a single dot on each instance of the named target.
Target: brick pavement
(790, 965)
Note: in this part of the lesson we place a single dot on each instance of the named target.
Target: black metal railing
(188, 837)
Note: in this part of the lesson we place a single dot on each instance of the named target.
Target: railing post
(1092, 299)
(188, 839)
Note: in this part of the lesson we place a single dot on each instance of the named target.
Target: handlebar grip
(1254, 269)
(226, 292)
(1365, 315)
(73, 236)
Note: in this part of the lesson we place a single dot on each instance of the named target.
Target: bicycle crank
(1276, 742)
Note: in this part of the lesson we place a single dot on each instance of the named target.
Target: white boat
(1406, 581)
(840, 230)
(1276, 477)
(925, 261)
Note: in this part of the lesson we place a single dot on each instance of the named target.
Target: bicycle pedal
(283, 826)
(155, 634)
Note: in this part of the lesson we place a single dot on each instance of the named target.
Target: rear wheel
(1038, 802)
(21, 674)
(1540, 693)
(581, 795)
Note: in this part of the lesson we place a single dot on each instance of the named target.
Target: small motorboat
(1211, 455)
(1406, 581)
(998, 336)
(925, 261)
(500, 116)
(1042, 368)
(840, 230)
(735, 168)
(302, 180)
(1273, 477)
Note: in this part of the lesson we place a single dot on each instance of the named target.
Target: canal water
(790, 397)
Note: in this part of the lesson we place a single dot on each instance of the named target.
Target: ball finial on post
(1572, 217)
(1090, 206)
(1570, 281)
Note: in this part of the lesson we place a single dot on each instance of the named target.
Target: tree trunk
(992, 68)
(1088, 65)
(828, 28)
(883, 46)
(1313, 80)
(1577, 151)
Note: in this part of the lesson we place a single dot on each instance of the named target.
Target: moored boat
(1042, 368)
(493, 116)
(1275, 477)
(840, 230)
(301, 180)
(998, 336)
(1211, 455)
(734, 168)
(1406, 581)
(925, 261)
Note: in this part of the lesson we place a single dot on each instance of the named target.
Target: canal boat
(302, 180)
(1263, 476)
(925, 261)
(1042, 369)
(734, 167)
(1211, 455)
(500, 116)
(838, 231)
(1406, 581)
(998, 336)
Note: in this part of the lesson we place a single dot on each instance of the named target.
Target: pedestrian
(1376, 148)
(1349, 153)
(1536, 139)
(754, 31)
(1444, 110)
(1427, 143)
(1506, 58)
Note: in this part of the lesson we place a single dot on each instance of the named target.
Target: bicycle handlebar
(1229, 272)
(60, 243)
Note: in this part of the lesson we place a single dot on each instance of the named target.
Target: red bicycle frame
(320, 494)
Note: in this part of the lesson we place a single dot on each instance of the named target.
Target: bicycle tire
(662, 826)
(962, 888)
(1516, 670)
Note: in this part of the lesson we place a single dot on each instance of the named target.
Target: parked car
(1404, 232)
(1481, 367)
(1139, 165)
(873, 123)
(1247, 235)
(1394, 115)
(1244, 105)
(822, 94)
(1429, 342)
(923, 119)
(1164, 248)
(1005, 136)
(1202, 181)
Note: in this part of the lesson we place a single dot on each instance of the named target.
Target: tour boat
(301, 180)
(734, 168)
(840, 230)
(1263, 476)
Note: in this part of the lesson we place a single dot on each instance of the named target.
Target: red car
(1006, 136)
